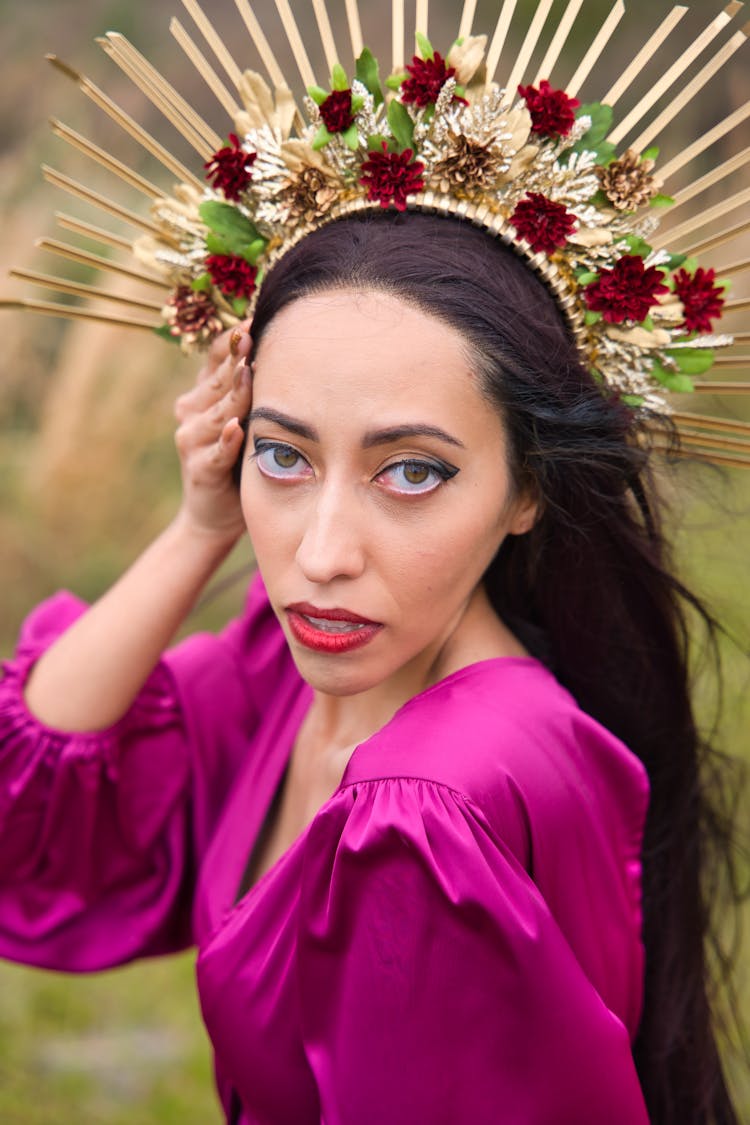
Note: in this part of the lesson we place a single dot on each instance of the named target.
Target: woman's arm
(89, 678)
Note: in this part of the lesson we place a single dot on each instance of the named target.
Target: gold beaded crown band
(527, 161)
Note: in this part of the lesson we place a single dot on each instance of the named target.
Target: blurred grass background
(88, 476)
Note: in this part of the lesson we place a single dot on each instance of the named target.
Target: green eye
(285, 457)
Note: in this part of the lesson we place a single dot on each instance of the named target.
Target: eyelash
(440, 469)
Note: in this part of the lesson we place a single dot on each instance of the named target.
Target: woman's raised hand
(90, 676)
(209, 437)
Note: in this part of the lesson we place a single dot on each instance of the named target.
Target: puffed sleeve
(92, 826)
(101, 834)
(434, 982)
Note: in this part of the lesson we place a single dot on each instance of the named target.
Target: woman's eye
(275, 459)
(415, 477)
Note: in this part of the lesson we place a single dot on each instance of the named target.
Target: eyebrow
(371, 438)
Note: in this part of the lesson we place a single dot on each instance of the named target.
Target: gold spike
(467, 18)
(397, 35)
(739, 305)
(732, 362)
(596, 48)
(707, 421)
(684, 156)
(731, 445)
(498, 39)
(111, 163)
(688, 92)
(729, 234)
(72, 312)
(116, 47)
(692, 454)
(422, 16)
(74, 254)
(159, 82)
(326, 34)
(688, 56)
(78, 226)
(57, 179)
(721, 388)
(295, 42)
(204, 68)
(527, 48)
(711, 178)
(559, 40)
(214, 40)
(126, 122)
(734, 267)
(672, 236)
(61, 285)
(355, 27)
(262, 45)
(644, 56)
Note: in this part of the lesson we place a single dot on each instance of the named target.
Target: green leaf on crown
(202, 284)
(426, 49)
(636, 245)
(674, 261)
(662, 200)
(317, 93)
(601, 122)
(594, 139)
(401, 124)
(691, 361)
(339, 78)
(394, 81)
(651, 153)
(233, 228)
(165, 332)
(239, 305)
(254, 251)
(322, 138)
(369, 75)
(672, 380)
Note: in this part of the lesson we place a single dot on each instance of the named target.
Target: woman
(410, 859)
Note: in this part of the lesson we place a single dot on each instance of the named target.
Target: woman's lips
(330, 630)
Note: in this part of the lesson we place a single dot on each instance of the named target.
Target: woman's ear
(527, 509)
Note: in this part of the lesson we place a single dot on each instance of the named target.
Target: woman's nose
(332, 545)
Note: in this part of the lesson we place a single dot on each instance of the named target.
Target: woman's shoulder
(500, 723)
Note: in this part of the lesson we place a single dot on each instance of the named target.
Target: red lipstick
(330, 630)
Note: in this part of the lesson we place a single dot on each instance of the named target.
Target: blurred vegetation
(88, 476)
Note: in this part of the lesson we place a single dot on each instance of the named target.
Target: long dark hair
(590, 589)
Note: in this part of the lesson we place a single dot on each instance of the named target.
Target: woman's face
(375, 486)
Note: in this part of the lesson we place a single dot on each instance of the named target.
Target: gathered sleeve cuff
(435, 984)
(93, 826)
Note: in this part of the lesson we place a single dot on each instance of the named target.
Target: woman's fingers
(233, 344)
(201, 422)
(211, 388)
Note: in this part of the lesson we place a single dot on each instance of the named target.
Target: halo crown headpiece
(527, 161)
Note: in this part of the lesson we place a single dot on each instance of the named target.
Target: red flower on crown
(230, 169)
(232, 274)
(391, 176)
(552, 111)
(543, 223)
(627, 291)
(428, 76)
(336, 111)
(702, 301)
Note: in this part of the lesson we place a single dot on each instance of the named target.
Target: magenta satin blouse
(455, 937)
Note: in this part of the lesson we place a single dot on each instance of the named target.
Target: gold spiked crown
(527, 161)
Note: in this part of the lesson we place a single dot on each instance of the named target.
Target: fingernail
(234, 341)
